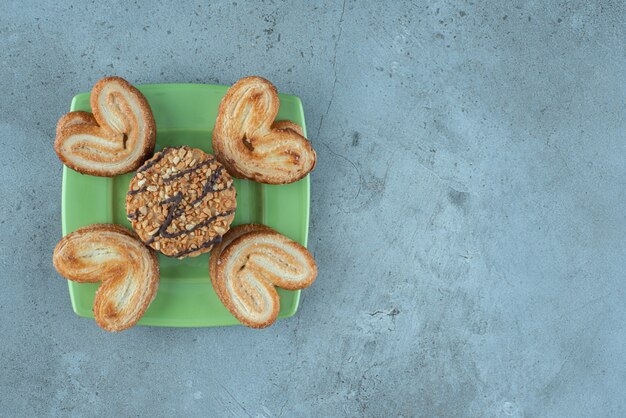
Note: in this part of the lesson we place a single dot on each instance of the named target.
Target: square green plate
(185, 115)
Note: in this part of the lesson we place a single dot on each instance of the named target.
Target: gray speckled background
(468, 210)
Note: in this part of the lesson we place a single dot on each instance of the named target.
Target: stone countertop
(467, 210)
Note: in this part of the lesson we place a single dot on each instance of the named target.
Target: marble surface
(468, 210)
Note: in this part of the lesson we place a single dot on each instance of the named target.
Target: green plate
(185, 115)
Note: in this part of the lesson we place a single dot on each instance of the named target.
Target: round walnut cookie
(181, 202)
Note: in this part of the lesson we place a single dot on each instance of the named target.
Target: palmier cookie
(250, 144)
(181, 202)
(250, 262)
(230, 236)
(113, 255)
(116, 139)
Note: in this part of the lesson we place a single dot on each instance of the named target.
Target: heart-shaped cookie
(128, 270)
(233, 234)
(250, 144)
(250, 261)
(116, 139)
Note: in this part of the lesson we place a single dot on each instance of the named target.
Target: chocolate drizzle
(134, 192)
(134, 215)
(178, 204)
(173, 213)
(152, 162)
(171, 199)
(189, 170)
(204, 245)
(202, 224)
(209, 186)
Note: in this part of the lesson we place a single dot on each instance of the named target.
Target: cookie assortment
(181, 202)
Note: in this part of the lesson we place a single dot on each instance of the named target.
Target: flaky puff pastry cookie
(116, 139)
(113, 255)
(248, 264)
(250, 144)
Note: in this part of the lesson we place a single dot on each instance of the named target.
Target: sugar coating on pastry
(116, 139)
(250, 262)
(111, 254)
(181, 202)
(248, 141)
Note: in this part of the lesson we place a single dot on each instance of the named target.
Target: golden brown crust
(75, 118)
(293, 265)
(181, 202)
(234, 233)
(117, 139)
(113, 255)
(248, 141)
(254, 259)
(287, 124)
